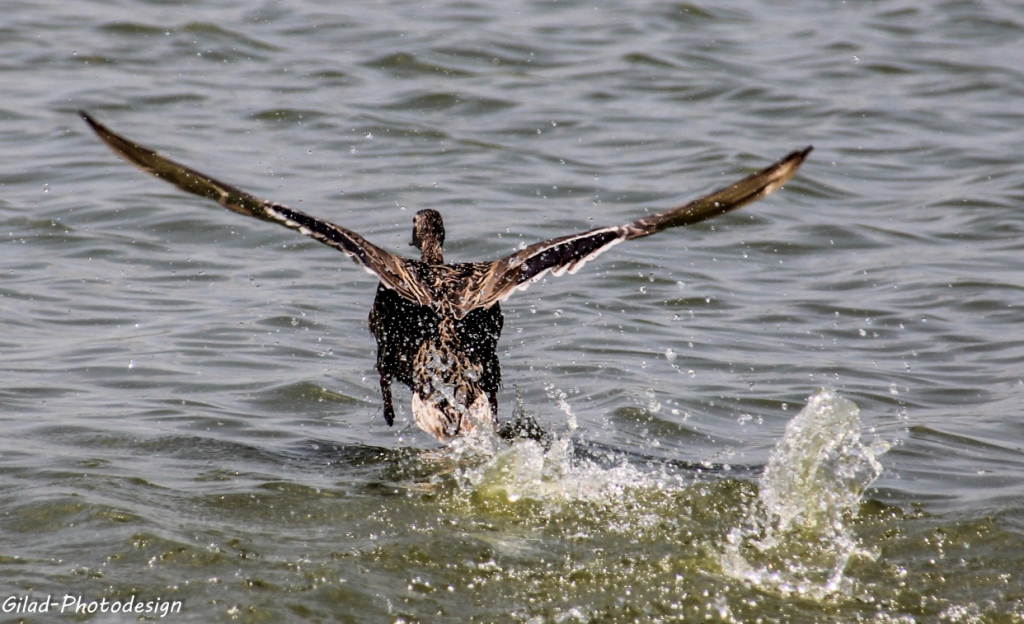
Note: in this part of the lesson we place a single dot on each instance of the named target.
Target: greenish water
(188, 403)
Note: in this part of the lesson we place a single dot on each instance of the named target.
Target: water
(813, 484)
(189, 405)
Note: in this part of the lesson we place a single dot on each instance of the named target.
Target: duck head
(428, 236)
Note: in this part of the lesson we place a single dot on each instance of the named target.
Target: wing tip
(800, 155)
(786, 168)
(87, 118)
(112, 139)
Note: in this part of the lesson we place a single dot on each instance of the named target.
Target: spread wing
(496, 281)
(393, 271)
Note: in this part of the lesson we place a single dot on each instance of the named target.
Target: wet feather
(437, 325)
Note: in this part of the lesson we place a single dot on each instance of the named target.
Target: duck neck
(431, 253)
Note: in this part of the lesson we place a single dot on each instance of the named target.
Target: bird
(437, 324)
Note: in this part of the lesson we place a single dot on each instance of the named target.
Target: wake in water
(788, 535)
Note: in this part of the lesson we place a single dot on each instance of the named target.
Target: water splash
(559, 397)
(546, 471)
(551, 477)
(795, 538)
(790, 536)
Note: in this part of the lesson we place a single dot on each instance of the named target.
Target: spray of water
(545, 470)
(795, 536)
(792, 537)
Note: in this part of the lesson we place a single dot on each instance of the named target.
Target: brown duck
(437, 325)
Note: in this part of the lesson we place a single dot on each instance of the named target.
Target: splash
(550, 476)
(548, 473)
(790, 536)
(794, 537)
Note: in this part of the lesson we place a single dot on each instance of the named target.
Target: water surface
(189, 405)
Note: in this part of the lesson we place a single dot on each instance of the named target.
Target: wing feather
(498, 280)
(487, 282)
(393, 271)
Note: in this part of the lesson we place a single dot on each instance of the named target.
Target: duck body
(450, 365)
(445, 352)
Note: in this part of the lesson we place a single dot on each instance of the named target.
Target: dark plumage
(437, 325)
(410, 337)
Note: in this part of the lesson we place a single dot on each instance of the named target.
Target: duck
(437, 324)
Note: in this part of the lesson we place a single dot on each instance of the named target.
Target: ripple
(195, 393)
(405, 65)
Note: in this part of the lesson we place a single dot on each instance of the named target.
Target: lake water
(190, 413)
